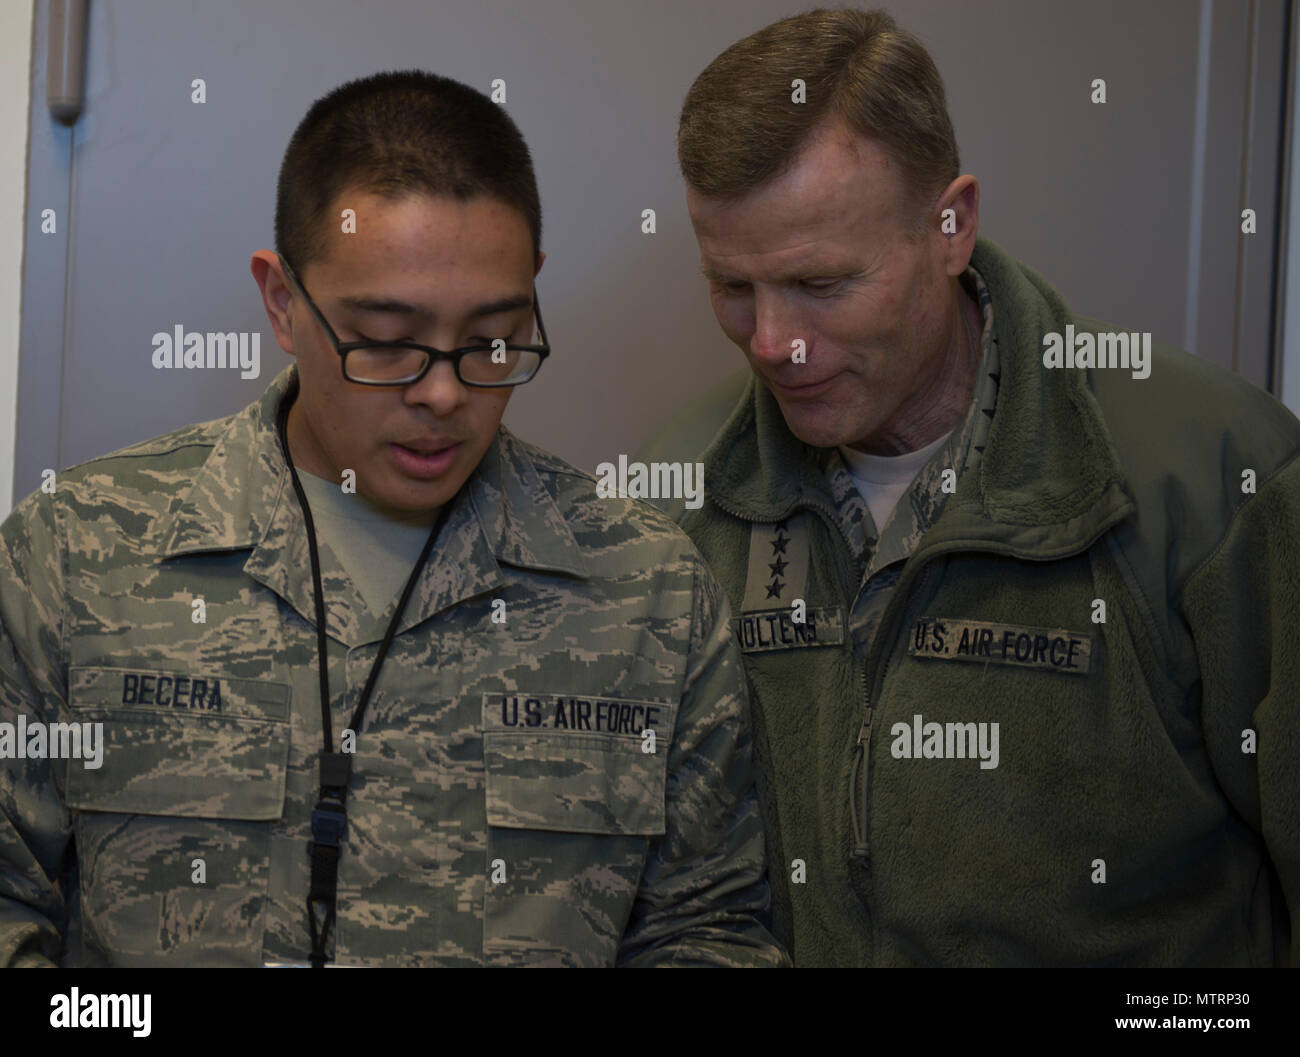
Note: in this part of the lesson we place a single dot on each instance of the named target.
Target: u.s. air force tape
(1054, 649)
(528, 713)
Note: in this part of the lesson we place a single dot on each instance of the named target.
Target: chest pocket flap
(178, 744)
(576, 764)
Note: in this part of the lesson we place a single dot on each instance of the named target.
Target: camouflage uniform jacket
(1111, 588)
(503, 806)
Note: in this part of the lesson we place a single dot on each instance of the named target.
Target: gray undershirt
(376, 548)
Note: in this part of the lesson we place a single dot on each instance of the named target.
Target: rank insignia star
(775, 577)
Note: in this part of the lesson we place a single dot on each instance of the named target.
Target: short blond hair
(739, 127)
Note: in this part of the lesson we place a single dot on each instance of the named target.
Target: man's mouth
(803, 388)
(427, 447)
(425, 458)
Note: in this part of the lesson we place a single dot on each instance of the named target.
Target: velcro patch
(760, 630)
(1053, 649)
(516, 711)
(778, 563)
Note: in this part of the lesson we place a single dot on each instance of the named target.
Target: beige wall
(1120, 207)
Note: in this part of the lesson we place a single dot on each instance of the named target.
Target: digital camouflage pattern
(490, 751)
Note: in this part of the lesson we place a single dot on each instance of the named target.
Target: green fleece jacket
(1143, 803)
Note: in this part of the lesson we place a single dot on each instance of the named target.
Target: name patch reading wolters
(776, 629)
(1055, 649)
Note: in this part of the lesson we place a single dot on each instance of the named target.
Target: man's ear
(277, 295)
(960, 231)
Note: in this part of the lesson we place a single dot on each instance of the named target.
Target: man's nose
(439, 390)
(774, 329)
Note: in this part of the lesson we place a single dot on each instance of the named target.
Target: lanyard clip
(329, 820)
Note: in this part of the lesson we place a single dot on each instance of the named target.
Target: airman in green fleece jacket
(1048, 712)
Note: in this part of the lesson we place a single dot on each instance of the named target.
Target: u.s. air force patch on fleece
(1053, 649)
(775, 614)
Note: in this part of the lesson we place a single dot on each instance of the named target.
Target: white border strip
(15, 99)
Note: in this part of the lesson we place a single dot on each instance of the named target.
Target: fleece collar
(1049, 481)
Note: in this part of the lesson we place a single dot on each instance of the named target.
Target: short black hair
(397, 133)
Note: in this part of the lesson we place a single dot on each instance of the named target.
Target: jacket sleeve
(34, 824)
(1243, 608)
(704, 885)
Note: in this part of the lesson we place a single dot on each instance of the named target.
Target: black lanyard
(329, 817)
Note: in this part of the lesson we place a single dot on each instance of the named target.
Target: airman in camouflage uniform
(507, 803)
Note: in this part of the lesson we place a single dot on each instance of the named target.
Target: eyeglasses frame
(433, 354)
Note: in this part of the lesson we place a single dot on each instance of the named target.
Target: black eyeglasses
(489, 366)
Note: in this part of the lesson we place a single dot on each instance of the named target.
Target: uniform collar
(1049, 478)
(243, 497)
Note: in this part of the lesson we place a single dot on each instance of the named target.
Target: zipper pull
(860, 850)
(857, 790)
(864, 732)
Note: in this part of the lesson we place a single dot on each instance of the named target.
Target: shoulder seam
(131, 453)
(1139, 594)
(1213, 552)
